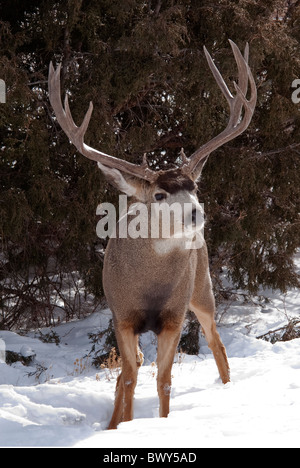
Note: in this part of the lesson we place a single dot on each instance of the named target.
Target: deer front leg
(167, 342)
(118, 405)
(205, 316)
(128, 346)
(203, 305)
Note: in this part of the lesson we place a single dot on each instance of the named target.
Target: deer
(151, 283)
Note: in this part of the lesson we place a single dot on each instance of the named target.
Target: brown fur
(174, 180)
(149, 291)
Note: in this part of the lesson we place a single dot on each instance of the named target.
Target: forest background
(142, 64)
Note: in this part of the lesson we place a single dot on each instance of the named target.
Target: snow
(61, 400)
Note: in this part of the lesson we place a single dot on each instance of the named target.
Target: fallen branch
(291, 331)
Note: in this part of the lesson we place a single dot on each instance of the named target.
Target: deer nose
(194, 216)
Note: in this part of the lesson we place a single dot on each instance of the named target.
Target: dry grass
(112, 365)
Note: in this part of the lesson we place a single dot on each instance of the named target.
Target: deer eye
(160, 196)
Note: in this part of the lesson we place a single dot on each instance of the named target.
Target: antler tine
(218, 77)
(236, 125)
(76, 134)
(183, 157)
(86, 120)
(242, 64)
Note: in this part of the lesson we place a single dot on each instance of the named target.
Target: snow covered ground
(60, 399)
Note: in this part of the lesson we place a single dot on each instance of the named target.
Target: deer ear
(118, 180)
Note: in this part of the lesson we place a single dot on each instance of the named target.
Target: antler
(76, 134)
(236, 125)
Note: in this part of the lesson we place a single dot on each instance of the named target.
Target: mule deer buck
(150, 283)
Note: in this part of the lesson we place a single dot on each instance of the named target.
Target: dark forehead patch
(174, 181)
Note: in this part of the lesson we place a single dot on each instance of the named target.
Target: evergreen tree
(142, 65)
